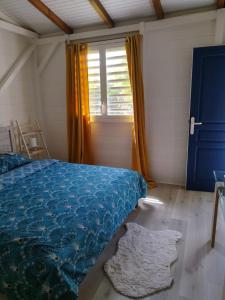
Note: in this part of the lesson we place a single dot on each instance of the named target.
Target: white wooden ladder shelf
(32, 141)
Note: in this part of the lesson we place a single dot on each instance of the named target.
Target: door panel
(212, 98)
(206, 150)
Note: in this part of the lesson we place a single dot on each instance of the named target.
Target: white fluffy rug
(141, 265)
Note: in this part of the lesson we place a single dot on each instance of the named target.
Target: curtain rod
(103, 38)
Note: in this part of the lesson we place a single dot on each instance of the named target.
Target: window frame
(102, 47)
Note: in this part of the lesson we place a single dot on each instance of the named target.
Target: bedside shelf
(29, 134)
(34, 132)
(37, 151)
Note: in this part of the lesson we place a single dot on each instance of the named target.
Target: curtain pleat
(78, 116)
(139, 147)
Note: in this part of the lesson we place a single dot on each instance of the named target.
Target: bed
(55, 220)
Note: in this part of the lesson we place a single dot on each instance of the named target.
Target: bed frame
(95, 275)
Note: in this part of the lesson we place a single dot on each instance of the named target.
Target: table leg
(216, 204)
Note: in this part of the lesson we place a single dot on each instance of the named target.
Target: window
(109, 84)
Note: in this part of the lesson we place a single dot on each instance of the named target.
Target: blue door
(206, 150)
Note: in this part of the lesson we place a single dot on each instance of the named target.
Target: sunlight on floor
(150, 201)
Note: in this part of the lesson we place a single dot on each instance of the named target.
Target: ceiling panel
(176, 5)
(76, 13)
(128, 9)
(27, 15)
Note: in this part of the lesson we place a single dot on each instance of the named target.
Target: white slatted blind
(119, 98)
(94, 82)
(109, 84)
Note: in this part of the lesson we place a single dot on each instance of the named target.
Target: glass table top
(219, 177)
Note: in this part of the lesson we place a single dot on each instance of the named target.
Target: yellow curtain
(139, 148)
(78, 117)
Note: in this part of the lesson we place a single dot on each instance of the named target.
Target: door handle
(193, 124)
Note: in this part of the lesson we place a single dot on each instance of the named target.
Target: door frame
(192, 110)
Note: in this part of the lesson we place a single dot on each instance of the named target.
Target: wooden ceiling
(96, 4)
(44, 15)
(158, 9)
(45, 10)
(220, 4)
(101, 11)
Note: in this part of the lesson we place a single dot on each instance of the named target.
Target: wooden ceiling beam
(158, 9)
(220, 4)
(102, 12)
(45, 10)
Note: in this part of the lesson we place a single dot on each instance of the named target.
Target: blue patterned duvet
(55, 220)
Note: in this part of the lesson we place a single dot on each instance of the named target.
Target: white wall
(53, 93)
(167, 78)
(111, 142)
(17, 101)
